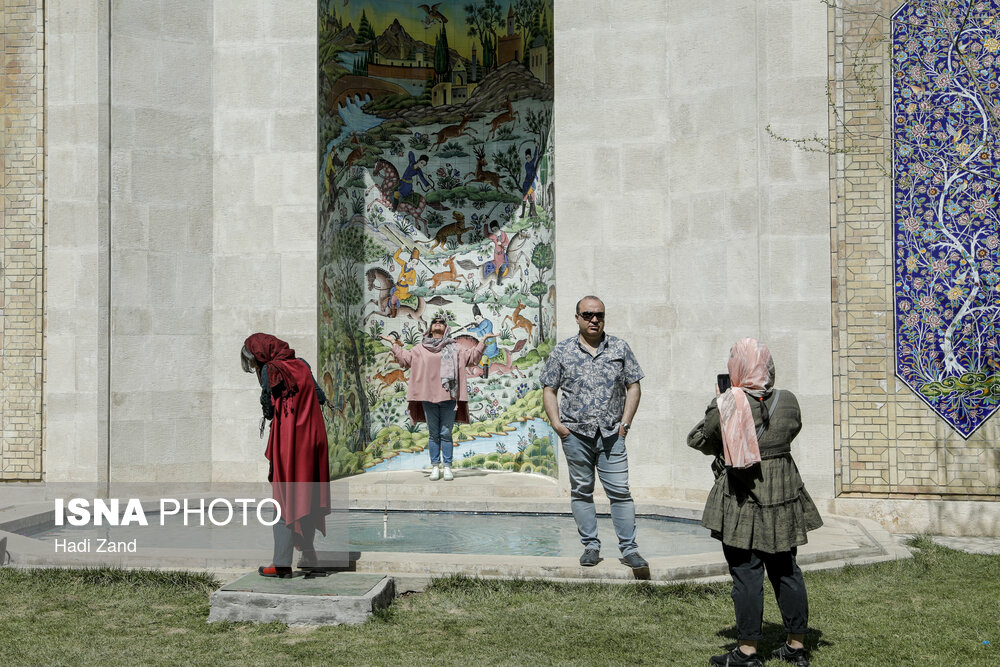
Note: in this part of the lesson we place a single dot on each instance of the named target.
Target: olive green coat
(766, 506)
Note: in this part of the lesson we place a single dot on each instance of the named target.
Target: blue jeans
(440, 420)
(608, 456)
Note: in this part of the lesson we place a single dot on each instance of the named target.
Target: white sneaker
(447, 474)
(436, 474)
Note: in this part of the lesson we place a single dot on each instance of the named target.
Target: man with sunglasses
(599, 379)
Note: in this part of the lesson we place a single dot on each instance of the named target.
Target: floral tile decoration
(946, 173)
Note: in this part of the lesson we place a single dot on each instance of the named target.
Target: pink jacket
(425, 378)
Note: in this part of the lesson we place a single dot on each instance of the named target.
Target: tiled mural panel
(436, 196)
(945, 102)
(913, 310)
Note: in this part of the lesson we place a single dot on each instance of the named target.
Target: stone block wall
(22, 213)
(182, 218)
(183, 183)
(695, 226)
(263, 209)
(161, 93)
(77, 195)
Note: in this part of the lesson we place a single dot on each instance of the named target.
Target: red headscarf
(274, 354)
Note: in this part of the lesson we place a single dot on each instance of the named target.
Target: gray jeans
(285, 540)
(608, 456)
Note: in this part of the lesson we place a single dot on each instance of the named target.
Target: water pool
(517, 534)
(512, 534)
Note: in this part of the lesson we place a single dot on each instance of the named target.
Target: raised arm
(706, 436)
(403, 356)
(472, 355)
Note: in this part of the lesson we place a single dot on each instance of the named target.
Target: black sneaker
(736, 657)
(634, 561)
(590, 557)
(796, 656)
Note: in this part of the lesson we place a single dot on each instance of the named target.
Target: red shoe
(275, 571)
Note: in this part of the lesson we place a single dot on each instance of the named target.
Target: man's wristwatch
(626, 427)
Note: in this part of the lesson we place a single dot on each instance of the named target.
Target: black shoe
(311, 564)
(736, 657)
(590, 557)
(634, 561)
(796, 656)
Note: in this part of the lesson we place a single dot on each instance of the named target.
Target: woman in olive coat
(759, 507)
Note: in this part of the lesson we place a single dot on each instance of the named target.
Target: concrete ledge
(315, 608)
(841, 541)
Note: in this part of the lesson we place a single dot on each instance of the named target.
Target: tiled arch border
(887, 442)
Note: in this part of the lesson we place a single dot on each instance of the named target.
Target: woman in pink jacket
(436, 392)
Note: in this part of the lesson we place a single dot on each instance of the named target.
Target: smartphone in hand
(724, 382)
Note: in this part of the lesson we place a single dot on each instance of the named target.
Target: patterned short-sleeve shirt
(593, 387)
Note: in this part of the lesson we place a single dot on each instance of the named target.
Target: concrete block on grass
(306, 602)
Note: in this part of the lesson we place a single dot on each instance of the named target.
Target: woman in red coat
(296, 448)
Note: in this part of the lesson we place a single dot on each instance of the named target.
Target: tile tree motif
(946, 164)
(436, 197)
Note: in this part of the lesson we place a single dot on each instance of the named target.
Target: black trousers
(747, 569)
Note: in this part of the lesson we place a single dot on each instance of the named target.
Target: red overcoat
(297, 451)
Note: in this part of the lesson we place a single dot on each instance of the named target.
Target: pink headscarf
(751, 370)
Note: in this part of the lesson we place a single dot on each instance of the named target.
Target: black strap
(765, 418)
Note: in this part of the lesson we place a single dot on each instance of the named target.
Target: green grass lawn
(936, 609)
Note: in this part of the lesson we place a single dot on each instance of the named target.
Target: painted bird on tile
(955, 134)
(433, 14)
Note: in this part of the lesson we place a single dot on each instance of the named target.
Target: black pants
(747, 569)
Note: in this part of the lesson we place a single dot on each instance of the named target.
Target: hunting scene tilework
(436, 196)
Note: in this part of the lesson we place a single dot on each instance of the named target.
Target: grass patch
(934, 609)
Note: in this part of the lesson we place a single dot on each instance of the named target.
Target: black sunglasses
(588, 315)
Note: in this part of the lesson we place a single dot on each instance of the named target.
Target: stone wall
(22, 211)
(161, 240)
(696, 226)
(77, 234)
(263, 209)
(676, 206)
(196, 122)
